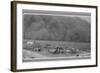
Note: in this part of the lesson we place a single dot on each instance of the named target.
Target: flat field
(29, 54)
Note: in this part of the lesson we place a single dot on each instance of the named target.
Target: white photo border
(61, 63)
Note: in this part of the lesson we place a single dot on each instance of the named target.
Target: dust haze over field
(56, 28)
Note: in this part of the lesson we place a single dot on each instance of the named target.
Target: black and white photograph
(56, 36)
(47, 36)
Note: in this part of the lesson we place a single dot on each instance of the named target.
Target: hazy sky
(53, 27)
